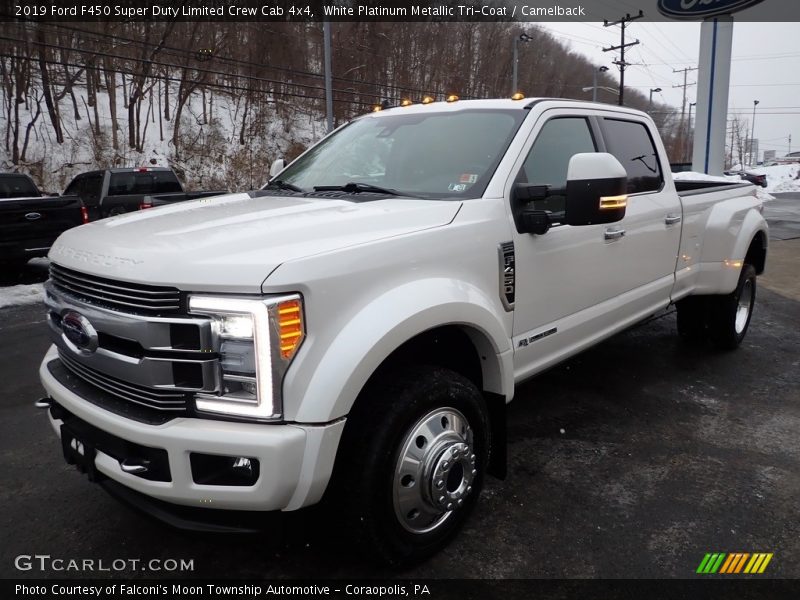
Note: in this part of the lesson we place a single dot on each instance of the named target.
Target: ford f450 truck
(352, 332)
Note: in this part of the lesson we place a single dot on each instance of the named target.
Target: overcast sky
(766, 67)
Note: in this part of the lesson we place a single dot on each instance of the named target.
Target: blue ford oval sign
(701, 9)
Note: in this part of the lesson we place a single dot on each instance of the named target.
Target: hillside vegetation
(220, 101)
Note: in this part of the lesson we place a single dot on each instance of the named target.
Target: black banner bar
(475, 11)
(433, 589)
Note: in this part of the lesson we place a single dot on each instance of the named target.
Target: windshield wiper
(354, 187)
(282, 185)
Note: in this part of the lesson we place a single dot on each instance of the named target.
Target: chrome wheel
(435, 470)
(744, 307)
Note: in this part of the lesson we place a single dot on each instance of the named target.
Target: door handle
(672, 219)
(614, 233)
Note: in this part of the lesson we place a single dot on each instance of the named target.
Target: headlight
(256, 340)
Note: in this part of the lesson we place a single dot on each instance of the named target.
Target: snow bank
(21, 294)
(781, 178)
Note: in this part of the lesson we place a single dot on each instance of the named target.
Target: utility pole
(733, 130)
(523, 37)
(753, 161)
(689, 131)
(602, 69)
(684, 86)
(326, 36)
(622, 45)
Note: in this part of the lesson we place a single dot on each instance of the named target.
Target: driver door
(564, 275)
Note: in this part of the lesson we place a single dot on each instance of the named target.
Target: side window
(631, 143)
(547, 162)
(92, 187)
(74, 187)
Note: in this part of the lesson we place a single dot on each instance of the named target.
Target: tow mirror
(528, 218)
(525, 192)
(597, 189)
(276, 167)
(534, 221)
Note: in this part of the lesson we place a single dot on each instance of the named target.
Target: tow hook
(134, 466)
(43, 402)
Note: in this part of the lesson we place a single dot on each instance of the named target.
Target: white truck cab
(353, 331)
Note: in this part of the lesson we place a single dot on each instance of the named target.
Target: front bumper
(295, 460)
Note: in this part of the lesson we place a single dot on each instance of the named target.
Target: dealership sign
(701, 9)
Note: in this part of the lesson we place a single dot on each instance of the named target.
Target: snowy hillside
(211, 131)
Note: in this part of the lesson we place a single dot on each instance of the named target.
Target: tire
(117, 210)
(411, 463)
(691, 318)
(729, 316)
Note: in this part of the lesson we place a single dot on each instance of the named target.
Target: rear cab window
(143, 182)
(633, 146)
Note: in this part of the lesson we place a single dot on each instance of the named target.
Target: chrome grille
(119, 295)
(159, 399)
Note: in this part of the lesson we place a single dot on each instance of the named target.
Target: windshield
(436, 155)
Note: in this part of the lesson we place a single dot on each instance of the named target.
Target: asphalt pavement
(633, 459)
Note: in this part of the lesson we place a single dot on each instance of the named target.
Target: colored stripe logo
(734, 563)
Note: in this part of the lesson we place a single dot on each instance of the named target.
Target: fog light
(243, 465)
(214, 469)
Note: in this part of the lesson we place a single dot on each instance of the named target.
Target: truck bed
(686, 187)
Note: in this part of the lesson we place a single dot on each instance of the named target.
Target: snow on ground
(16, 295)
(26, 293)
(781, 178)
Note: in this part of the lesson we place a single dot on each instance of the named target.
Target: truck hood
(232, 243)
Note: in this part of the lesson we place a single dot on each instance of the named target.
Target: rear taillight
(84, 214)
(143, 205)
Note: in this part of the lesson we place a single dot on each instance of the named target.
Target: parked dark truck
(30, 221)
(118, 191)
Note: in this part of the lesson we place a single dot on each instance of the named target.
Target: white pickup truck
(352, 332)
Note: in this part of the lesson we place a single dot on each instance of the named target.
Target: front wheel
(729, 316)
(413, 458)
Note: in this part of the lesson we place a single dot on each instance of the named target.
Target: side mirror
(597, 189)
(276, 167)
